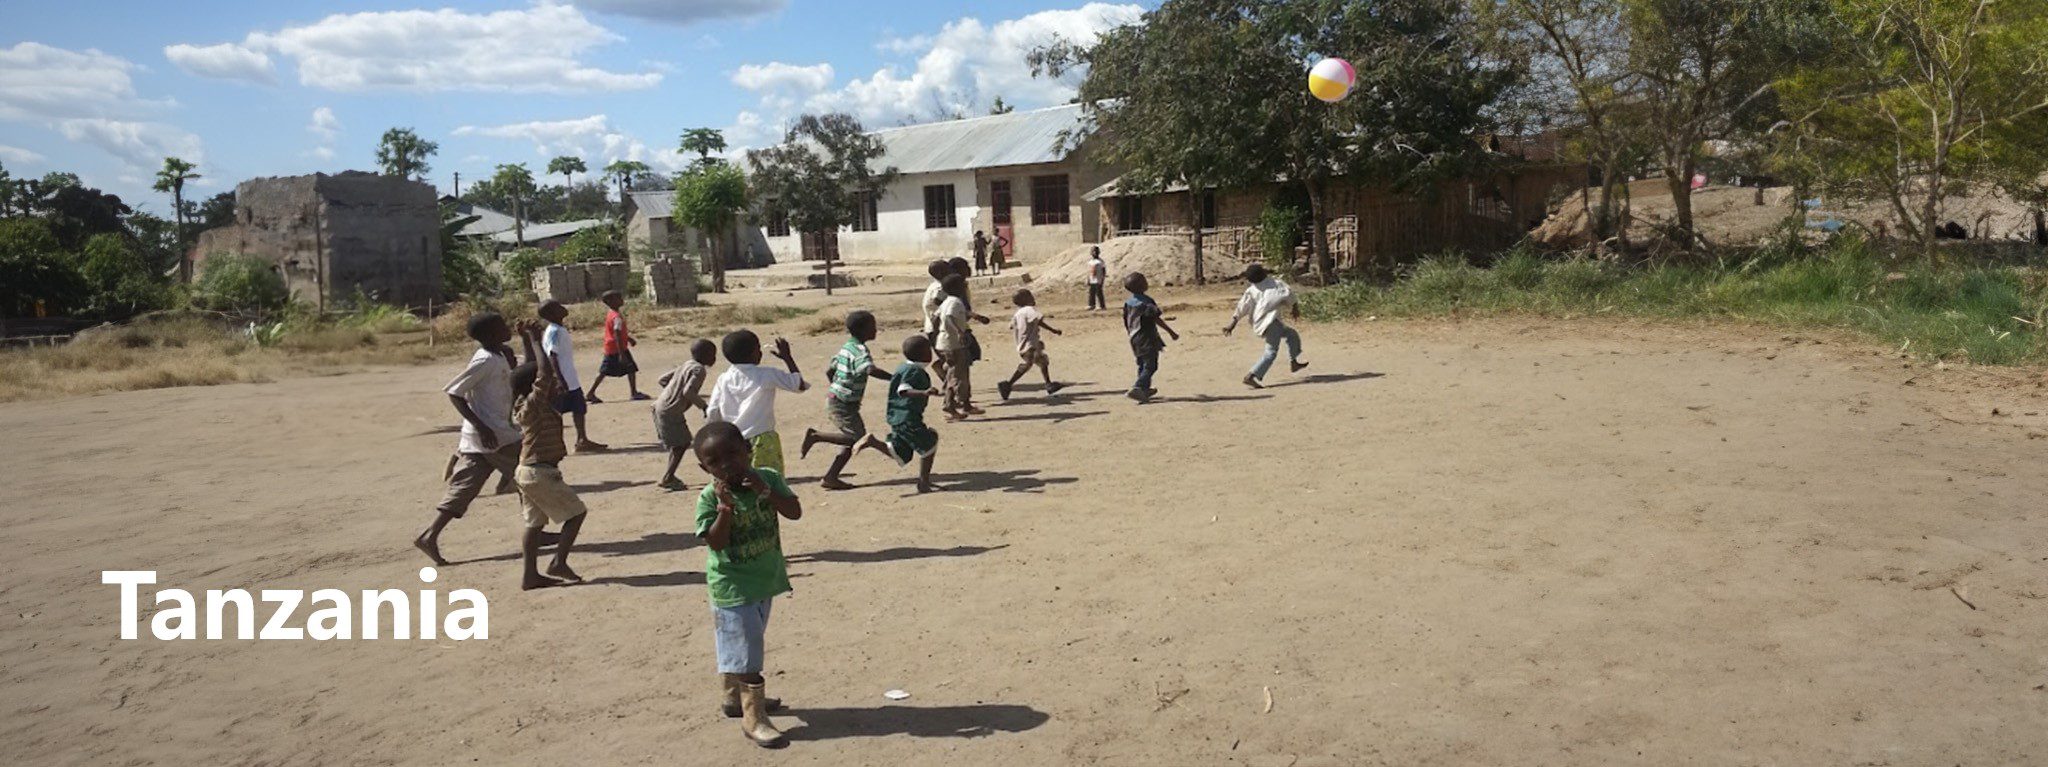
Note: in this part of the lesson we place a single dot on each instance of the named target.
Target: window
(778, 223)
(939, 212)
(1130, 214)
(999, 202)
(1049, 201)
(865, 219)
(1208, 210)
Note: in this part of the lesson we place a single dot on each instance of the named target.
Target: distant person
(961, 268)
(1025, 326)
(953, 346)
(618, 350)
(682, 389)
(981, 243)
(482, 395)
(1098, 273)
(934, 295)
(745, 395)
(1142, 322)
(1264, 302)
(998, 253)
(738, 517)
(543, 495)
(561, 352)
(846, 382)
(910, 390)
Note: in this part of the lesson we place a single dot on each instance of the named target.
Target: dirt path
(1484, 543)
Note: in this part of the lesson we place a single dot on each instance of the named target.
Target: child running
(618, 350)
(954, 347)
(1025, 325)
(681, 389)
(1263, 302)
(745, 394)
(1142, 322)
(482, 394)
(847, 382)
(744, 570)
(562, 352)
(910, 389)
(543, 495)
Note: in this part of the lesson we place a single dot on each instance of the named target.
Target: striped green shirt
(850, 371)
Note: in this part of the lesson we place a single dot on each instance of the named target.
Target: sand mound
(1164, 260)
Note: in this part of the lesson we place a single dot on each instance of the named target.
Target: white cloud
(325, 124)
(903, 46)
(777, 76)
(226, 61)
(536, 49)
(967, 64)
(142, 145)
(39, 82)
(592, 138)
(323, 152)
(17, 154)
(686, 11)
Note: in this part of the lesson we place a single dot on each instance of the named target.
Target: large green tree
(171, 179)
(710, 198)
(404, 154)
(567, 167)
(702, 142)
(623, 172)
(517, 183)
(819, 173)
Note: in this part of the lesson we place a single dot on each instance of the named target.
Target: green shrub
(242, 284)
(1279, 230)
(520, 266)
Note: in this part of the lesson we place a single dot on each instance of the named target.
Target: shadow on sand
(1326, 378)
(898, 554)
(918, 722)
(1011, 481)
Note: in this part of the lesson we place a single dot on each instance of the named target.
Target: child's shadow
(608, 486)
(918, 722)
(897, 554)
(1011, 481)
(1326, 378)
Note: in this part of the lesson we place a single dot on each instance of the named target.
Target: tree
(171, 178)
(702, 142)
(217, 211)
(1000, 108)
(7, 188)
(820, 172)
(517, 182)
(625, 171)
(1925, 97)
(404, 154)
(120, 278)
(567, 167)
(708, 199)
(34, 275)
(75, 212)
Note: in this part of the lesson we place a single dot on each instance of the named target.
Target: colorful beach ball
(1331, 79)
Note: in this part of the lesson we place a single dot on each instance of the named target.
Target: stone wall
(338, 235)
(576, 283)
(672, 282)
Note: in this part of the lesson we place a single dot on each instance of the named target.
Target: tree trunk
(2040, 228)
(1319, 241)
(1195, 226)
(1678, 176)
(716, 254)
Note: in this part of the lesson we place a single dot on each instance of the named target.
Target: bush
(463, 272)
(1279, 232)
(241, 284)
(35, 272)
(598, 243)
(122, 282)
(520, 266)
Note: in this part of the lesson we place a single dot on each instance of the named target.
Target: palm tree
(404, 154)
(625, 171)
(172, 179)
(567, 166)
(517, 181)
(702, 141)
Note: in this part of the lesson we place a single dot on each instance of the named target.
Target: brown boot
(732, 698)
(754, 717)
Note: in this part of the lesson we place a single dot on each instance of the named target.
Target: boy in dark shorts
(618, 350)
(543, 495)
(846, 382)
(482, 394)
(1025, 325)
(561, 351)
(1142, 322)
(682, 389)
(737, 516)
(910, 389)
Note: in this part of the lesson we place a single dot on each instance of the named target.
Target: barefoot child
(1142, 322)
(1030, 346)
(682, 389)
(618, 350)
(954, 348)
(543, 495)
(910, 389)
(745, 394)
(562, 351)
(482, 394)
(744, 570)
(847, 383)
(1263, 302)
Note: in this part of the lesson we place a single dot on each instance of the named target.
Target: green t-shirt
(750, 568)
(908, 410)
(848, 373)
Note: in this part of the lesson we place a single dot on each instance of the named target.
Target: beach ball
(1331, 79)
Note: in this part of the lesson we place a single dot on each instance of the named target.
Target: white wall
(900, 235)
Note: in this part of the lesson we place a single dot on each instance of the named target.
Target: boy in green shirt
(744, 569)
(910, 389)
(847, 382)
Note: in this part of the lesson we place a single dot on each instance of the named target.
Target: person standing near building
(1097, 273)
(980, 252)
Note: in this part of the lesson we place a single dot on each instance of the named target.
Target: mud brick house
(332, 237)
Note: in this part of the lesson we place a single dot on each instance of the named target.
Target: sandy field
(1526, 542)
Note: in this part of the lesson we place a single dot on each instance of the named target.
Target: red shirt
(615, 336)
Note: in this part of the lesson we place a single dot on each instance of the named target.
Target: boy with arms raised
(681, 389)
(543, 495)
(1263, 302)
(745, 394)
(562, 351)
(1025, 325)
(618, 350)
(847, 383)
(744, 569)
(910, 389)
(482, 394)
(1142, 322)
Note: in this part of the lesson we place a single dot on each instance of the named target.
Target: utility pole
(458, 183)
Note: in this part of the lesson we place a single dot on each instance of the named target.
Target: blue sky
(107, 89)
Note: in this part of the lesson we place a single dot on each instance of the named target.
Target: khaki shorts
(1034, 354)
(471, 470)
(545, 497)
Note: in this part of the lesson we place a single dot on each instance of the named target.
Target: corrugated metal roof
(487, 223)
(537, 232)
(654, 204)
(1017, 138)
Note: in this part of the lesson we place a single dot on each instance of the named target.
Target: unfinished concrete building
(331, 237)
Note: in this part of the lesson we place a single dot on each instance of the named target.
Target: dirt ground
(1502, 542)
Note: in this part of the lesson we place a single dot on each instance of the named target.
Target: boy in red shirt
(618, 351)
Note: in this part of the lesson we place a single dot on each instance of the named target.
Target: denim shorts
(741, 634)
